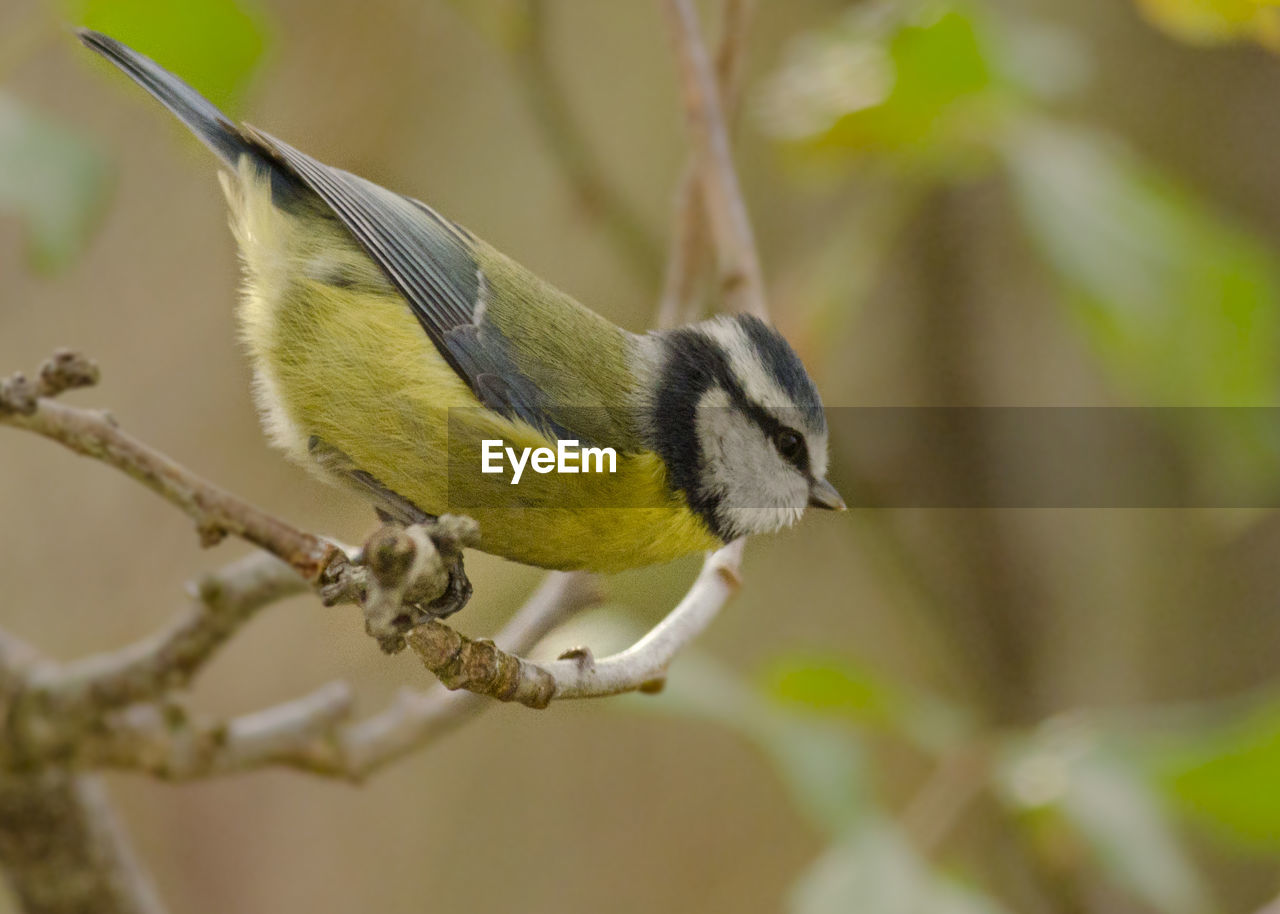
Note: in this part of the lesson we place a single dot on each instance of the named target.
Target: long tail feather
(213, 127)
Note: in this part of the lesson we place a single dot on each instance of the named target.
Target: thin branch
(417, 718)
(118, 863)
(222, 602)
(686, 255)
(957, 779)
(689, 246)
(480, 666)
(216, 513)
(314, 733)
(169, 742)
(594, 191)
(740, 275)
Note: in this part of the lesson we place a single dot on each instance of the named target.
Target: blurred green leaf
(1106, 799)
(53, 180)
(1225, 775)
(820, 763)
(834, 684)
(840, 686)
(875, 871)
(212, 44)
(1183, 307)
(1181, 304)
(915, 79)
(937, 67)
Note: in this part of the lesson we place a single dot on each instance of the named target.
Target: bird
(399, 356)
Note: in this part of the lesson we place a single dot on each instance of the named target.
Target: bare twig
(741, 279)
(221, 603)
(595, 193)
(957, 779)
(731, 54)
(417, 718)
(169, 742)
(314, 733)
(479, 666)
(689, 245)
(685, 256)
(216, 512)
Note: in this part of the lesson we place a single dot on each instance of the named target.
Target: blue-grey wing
(429, 260)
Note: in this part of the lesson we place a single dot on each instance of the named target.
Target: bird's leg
(450, 533)
(415, 559)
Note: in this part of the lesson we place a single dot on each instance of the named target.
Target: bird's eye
(789, 444)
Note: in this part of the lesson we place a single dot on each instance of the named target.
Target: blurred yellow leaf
(1215, 21)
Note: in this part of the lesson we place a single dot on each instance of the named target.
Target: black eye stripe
(774, 430)
(768, 423)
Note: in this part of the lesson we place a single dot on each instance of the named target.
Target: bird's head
(740, 426)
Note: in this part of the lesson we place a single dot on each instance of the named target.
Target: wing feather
(429, 261)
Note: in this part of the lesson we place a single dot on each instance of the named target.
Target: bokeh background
(1010, 202)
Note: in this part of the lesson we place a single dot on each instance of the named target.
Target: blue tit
(392, 348)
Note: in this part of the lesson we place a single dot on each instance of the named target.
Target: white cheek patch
(758, 491)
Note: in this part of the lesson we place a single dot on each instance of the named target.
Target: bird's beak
(823, 494)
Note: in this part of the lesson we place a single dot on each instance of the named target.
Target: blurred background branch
(689, 245)
(741, 281)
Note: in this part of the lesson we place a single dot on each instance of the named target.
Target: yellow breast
(347, 363)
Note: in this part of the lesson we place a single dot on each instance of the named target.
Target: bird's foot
(415, 574)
